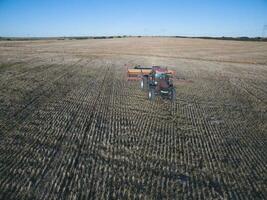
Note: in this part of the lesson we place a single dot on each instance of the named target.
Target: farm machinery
(157, 81)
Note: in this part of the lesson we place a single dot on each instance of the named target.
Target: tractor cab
(159, 82)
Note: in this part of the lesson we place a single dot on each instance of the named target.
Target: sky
(51, 18)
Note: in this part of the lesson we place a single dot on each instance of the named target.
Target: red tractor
(159, 82)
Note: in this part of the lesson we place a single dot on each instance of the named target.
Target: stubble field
(72, 127)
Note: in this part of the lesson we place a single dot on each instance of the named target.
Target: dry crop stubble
(73, 127)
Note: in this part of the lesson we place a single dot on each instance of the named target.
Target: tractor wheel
(151, 94)
(173, 95)
(143, 83)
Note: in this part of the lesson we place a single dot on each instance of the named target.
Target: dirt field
(72, 127)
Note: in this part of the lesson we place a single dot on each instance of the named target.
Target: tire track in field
(87, 128)
(58, 165)
(243, 88)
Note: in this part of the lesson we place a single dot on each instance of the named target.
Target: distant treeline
(229, 38)
(264, 39)
(60, 38)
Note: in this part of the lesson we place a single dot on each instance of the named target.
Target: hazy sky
(135, 17)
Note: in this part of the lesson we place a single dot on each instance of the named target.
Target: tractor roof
(159, 70)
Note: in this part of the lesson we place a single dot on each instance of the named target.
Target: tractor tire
(173, 94)
(143, 83)
(151, 94)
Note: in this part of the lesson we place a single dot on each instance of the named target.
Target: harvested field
(72, 127)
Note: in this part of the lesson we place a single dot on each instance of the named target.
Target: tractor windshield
(162, 76)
